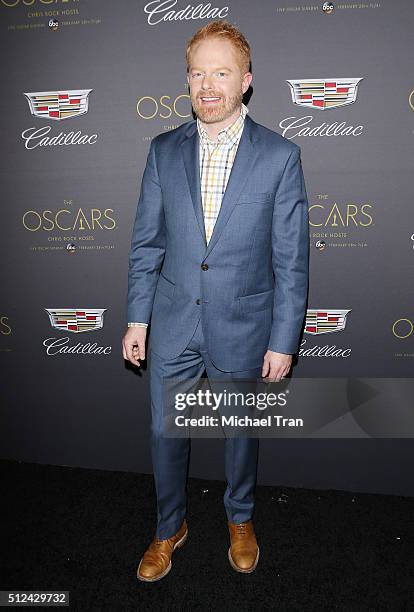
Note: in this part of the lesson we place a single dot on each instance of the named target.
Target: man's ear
(247, 79)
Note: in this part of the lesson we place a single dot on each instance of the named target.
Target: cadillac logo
(325, 321)
(58, 105)
(324, 93)
(76, 319)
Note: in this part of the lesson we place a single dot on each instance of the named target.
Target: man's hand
(133, 345)
(275, 366)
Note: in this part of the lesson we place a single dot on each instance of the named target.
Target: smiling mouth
(209, 99)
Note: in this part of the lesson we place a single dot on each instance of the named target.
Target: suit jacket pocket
(257, 301)
(265, 197)
(165, 286)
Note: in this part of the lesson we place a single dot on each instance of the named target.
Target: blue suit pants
(170, 456)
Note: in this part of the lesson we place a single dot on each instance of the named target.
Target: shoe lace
(241, 529)
(158, 542)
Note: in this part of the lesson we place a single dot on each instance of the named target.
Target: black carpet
(85, 531)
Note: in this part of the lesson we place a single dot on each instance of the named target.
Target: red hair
(225, 31)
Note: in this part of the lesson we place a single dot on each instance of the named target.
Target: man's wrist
(280, 352)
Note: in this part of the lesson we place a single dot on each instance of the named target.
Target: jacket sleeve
(290, 257)
(147, 244)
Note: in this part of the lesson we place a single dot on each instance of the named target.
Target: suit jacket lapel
(243, 163)
(190, 152)
(242, 166)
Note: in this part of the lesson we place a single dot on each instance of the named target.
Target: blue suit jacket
(250, 283)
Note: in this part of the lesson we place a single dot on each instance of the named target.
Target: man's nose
(206, 82)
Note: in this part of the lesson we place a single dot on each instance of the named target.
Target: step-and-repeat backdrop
(86, 85)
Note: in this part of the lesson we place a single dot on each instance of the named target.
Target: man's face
(216, 81)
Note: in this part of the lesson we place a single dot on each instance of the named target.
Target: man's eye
(222, 74)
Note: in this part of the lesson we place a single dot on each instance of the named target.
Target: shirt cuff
(137, 324)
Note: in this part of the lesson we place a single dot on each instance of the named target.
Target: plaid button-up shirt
(216, 162)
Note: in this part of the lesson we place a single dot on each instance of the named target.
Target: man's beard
(217, 112)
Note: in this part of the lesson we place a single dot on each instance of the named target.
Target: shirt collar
(227, 136)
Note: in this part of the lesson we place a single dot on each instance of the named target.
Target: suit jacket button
(198, 301)
(204, 266)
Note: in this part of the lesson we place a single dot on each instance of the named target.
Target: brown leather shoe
(244, 551)
(156, 562)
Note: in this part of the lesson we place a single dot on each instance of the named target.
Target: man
(219, 264)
